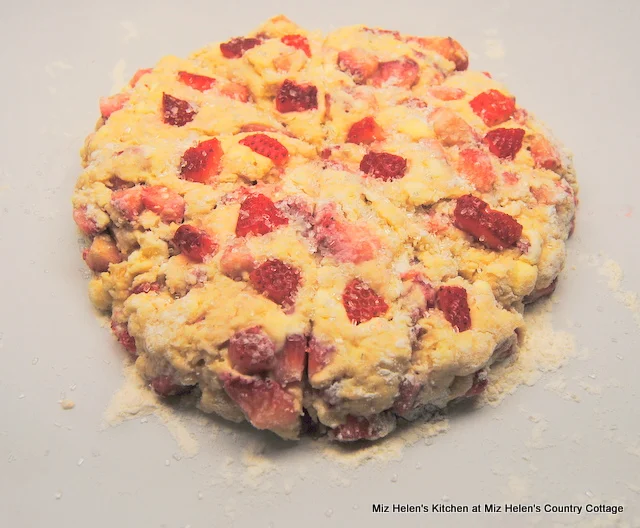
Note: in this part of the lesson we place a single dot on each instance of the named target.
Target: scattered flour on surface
(494, 48)
(131, 30)
(614, 274)
(67, 404)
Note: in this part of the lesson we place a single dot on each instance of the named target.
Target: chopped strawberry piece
(236, 91)
(510, 178)
(494, 229)
(268, 147)
(345, 241)
(259, 127)
(408, 391)
(358, 63)
(112, 103)
(319, 356)
(258, 216)
(480, 382)
(167, 204)
(202, 162)
(383, 166)
(164, 385)
(294, 97)
(277, 281)
(362, 303)
(264, 402)
(236, 47)
(520, 116)
(365, 132)
(449, 48)
(136, 76)
(146, 287)
(544, 154)
(475, 165)
(122, 334)
(252, 351)
(201, 83)
(176, 112)
(403, 72)
(446, 93)
(451, 129)
(194, 243)
(360, 428)
(504, 142)
(299, 42)
(116, 183)
(102, 252)
(86, 224)
(128, 202)
(236, 260)
(290, 363)
(493, 107)
(452, 300)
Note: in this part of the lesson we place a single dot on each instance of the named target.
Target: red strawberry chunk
(446, 93)
(128, 202)
(194, 243)
(290, 363)
(360, 428)
(494, 229)
(146, 287)
(252, 351)
(236, 91)
(475, 165)
(449, 48)
(112, 103)
(195, 81)
(277, 281)
(403, 72)
(320, 355)
(358, 63)
(365, 132)
(362, 303)
(264, 402)
(493, 107)
(202, 162)
(268, 147)
(236, 47)
(408, 391)
(383, 166)
(136, 76)
(86, 224)
(480, 382)
(176, 112)
(345, 241)
(236, 260)
(122, 334)
(504, 142)
(544, 154)
(452, 300)
(164, 385)
(294, 97)
(167, 204)
(258, 216)
(299, 42)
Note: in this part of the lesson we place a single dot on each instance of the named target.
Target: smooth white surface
(574, 64)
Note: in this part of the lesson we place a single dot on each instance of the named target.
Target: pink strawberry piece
(236, 260)
(236, 91)
(403, 72)
(362, 303)
(259, 127)
(165, 386)
(252, 351)
(504, 142)
(446, 93)
(146, 287)
(258, 216)
(475, 165)
(294, 97)
(452, 300)
(86, 224)
(202, 162)
(451, 129)
(320, 355)
(383, 166)
(408, 391)
(194, 243)
(358, 63)
(138, 75)
(201, 83)
(365, 132)
(122, 334)
(480, 382)
(176, 112)
(167, 204)
(544, 154)
(128, 202)
(299, 42)
(493, 107)
(112, 103)
(290, 363)
(277, 281)
(236, 47)
(449, 48)
(264, 402)
(360, 428)
(102, 252)
(345, 241)
(268, 147)
(494, 229)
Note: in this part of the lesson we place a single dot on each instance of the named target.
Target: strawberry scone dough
(323, 233)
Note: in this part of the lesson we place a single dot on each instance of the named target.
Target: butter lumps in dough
(321, 232)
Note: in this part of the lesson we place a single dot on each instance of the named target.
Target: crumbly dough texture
(397, 236)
